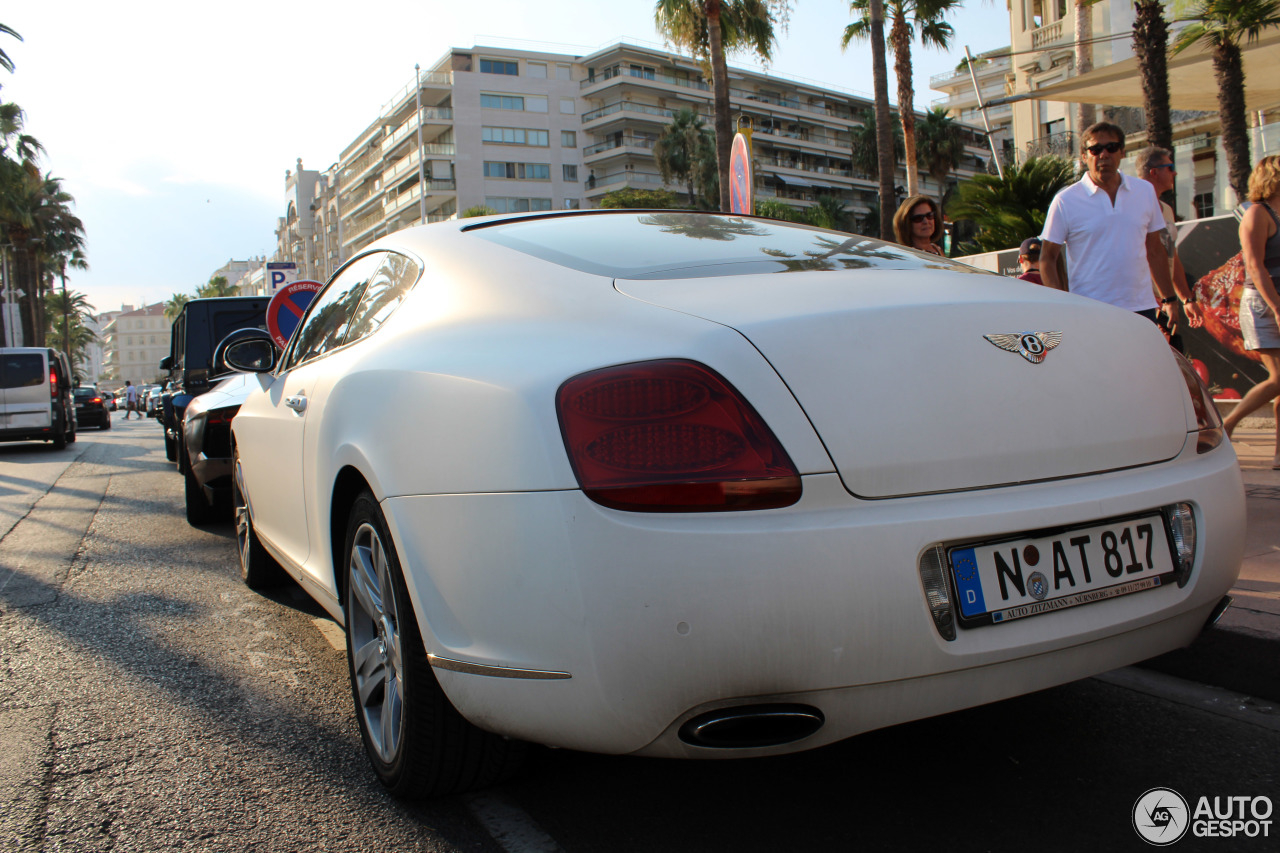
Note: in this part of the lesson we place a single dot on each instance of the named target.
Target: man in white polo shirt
(1111, 227)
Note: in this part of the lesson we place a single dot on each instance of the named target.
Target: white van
(35, 396)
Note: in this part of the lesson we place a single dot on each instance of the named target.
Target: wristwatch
(1193, 298)
(1168, 300)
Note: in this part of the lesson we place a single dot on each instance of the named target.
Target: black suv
(201, 325)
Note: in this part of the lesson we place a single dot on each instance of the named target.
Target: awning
(1191, 82)
(794, 182)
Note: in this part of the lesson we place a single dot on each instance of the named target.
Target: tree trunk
(42, 315)
(884, 131)
(900, 37)
(1228, 70)
(1086, 114)
(1150, 45)
(720, 93)
(24, 280)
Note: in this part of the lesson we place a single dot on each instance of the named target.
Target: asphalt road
(150, 702)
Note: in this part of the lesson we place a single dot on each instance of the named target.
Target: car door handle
(298, 404)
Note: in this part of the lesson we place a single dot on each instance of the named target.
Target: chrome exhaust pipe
(1218, 610)
(752, 726)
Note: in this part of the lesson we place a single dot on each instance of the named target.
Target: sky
(172, 124)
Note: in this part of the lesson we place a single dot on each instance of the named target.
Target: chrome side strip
(496, 671)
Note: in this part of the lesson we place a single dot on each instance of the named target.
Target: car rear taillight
(671, 436)
(222, 416)
(96, 400)
(1208, 423)
(53, 384)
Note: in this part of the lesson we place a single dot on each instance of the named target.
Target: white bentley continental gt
(703, 486)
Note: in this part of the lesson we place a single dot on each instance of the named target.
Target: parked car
(206, 430)
(35, 396)
(691, 485)
(91, 408)
(198, 329)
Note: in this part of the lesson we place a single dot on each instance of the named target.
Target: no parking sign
(287, 307)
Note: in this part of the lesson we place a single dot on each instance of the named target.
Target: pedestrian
(1110, 226)
(1260, 299)
(1029, 260)
(130, 399)
(1155, 166)
(918, 224)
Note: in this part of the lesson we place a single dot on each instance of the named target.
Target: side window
(387, 288)
(329, 316)
(22, 370)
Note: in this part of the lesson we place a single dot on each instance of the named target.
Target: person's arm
(1049, 255)
(1254, 232)
(1158, 261)
(1195, 318)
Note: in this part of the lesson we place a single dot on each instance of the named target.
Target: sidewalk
(1242, 652)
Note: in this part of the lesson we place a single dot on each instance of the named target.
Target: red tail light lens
(671, 436)
(53, 384)
(222, 416)
(1209, 432)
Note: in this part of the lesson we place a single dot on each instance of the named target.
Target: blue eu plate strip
(968, 585)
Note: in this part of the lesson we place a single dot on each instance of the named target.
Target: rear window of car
(84, 393)
(21, 370)
(658, 244)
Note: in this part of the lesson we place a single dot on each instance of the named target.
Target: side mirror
(244, 351)
(250, 356)
(166, 363)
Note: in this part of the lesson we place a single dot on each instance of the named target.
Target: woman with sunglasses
(918, 224)
(1260, 301)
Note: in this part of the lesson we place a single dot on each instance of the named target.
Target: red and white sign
(286, 308)
(740, 185)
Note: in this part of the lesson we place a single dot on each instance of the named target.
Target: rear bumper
(657, 618)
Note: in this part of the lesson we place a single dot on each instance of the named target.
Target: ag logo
(1161, 817)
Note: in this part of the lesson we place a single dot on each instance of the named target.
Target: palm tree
(939, 144)
(864, 148)
(884, 133)
(173, 306)
(829, 213)
(215, 287)
(909, 16)
(709, 29)
(1086, 114)
(5, 62)
(683, 150)
(69, 313)
(1221, 25)
(1150, 45)
(1008, 211)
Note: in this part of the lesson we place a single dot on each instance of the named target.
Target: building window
(568, 106)
(517, 171)
(644, 72)
(516, 136)
(564, 72)
(500, 66)
(1203, 204)
(570, 172)
(536, 69)
(535, 104)
(502, 102)
(568, 139)
(504, 204)
(571, 204)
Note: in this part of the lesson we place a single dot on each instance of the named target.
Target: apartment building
(133, 343)
(519, 130)
(993, 73)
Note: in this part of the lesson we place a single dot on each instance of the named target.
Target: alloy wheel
(376, 644)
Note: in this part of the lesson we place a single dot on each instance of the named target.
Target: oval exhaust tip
(752, 726)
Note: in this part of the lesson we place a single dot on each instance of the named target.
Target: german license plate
(1015, 578)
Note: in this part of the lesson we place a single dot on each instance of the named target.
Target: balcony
(1061, 144)
(628, 74)
(1044, 36)
(627, 141)
(628, 106)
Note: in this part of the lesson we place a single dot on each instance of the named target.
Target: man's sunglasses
(921, 217)
(1168, 166)
(1109, 147)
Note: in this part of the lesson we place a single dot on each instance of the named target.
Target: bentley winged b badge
(1033, 346)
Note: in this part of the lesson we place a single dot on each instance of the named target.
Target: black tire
(170, 448)
(258, 569)
(71, 436)
(59, 437)
(199, 512)
(433, 750)
(106, 422)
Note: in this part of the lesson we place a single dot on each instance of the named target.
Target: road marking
(509, 825)
(333, 633)
(1215, 700)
